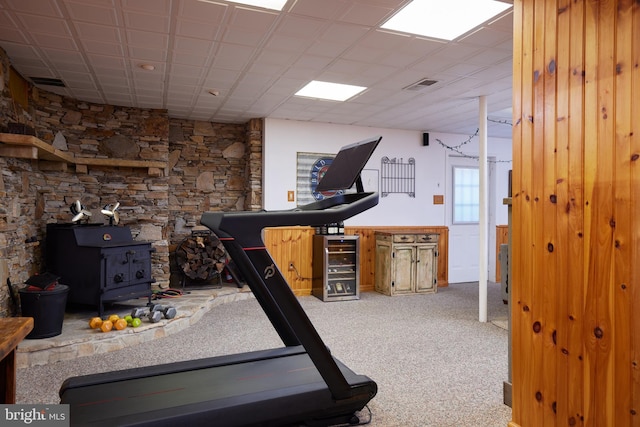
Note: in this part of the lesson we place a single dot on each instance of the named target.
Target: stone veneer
(210, 166)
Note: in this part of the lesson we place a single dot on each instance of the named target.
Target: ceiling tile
(486, 37)
(196, 29)
(364, 54)
(158, 6)
(210, 13)
(233, 57)
(13, 35)
(96, 14)
(193, 46)
(147, 55)
(253, 20)
(147, 39)
(107, 62)
(184, 80)
(96, 47)
(45, 25)
(239, 36)
(29, 72)
(35, 63)
(219, 75)
(296, 26)
(49, 40)
(192, 59)
(325, 9)
(111, 90)
(367, 14)
(344, 34)
(295, 45)
(48, 8)
(102, 33)
(147, 21)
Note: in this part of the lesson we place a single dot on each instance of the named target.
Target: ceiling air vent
(45, 81)
(420, 84)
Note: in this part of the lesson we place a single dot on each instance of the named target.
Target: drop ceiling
(256, 59)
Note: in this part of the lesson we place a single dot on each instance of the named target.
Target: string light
(502, 122)
(456, 148)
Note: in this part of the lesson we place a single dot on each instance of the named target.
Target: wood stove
(99, 263)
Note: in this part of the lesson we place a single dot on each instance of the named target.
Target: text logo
(34, 415)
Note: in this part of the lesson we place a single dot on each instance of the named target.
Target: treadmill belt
(213, 387)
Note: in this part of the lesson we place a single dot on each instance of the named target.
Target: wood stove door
(117, 262)
(140, 266)
(127, 265)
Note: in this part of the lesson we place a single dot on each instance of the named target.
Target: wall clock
(318, 169)
(310, 167)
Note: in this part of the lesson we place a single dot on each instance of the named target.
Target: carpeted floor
(434, 363)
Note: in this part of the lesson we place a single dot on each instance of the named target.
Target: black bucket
(46, 308)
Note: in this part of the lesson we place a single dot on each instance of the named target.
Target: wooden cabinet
(406, 263)
(335, 267)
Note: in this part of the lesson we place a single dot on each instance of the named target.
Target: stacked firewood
(201, 256)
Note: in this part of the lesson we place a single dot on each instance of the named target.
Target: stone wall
(209, 167)
(207, 164)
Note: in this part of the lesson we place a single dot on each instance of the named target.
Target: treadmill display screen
(347, 165)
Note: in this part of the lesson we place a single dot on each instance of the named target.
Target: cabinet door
(383, 268)
(403, 271)
(425, 269)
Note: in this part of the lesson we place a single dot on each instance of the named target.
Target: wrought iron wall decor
(398, 176)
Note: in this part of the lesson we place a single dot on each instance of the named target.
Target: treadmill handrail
(250, 223)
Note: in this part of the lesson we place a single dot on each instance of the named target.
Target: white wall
(283, 139)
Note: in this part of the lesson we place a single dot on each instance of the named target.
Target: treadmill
(298, 384)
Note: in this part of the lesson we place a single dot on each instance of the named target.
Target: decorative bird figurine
(112, 213)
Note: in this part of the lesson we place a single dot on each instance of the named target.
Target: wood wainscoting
(292, 245)
(295, 245)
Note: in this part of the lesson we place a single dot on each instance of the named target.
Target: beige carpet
(434, 363)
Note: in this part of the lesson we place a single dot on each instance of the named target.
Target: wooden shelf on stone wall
(30, 147)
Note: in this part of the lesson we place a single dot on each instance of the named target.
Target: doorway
(462, 218)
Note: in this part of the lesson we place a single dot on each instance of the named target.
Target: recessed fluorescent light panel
(444, 19)
(330, 91)
(265, 4)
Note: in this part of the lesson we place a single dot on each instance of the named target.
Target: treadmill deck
(201, 388)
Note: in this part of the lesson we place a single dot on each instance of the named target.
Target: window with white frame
(466, 195)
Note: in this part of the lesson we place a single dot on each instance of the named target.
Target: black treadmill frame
(343, 391)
